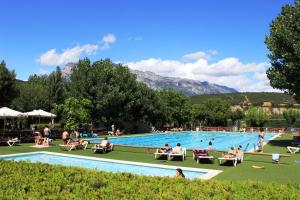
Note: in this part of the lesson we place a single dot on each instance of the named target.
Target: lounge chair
(73, 145)
(100, 149)
(201, 154)
(181, 154)
(159, 153)
(293, 149)
(11, 142)
(233, 158)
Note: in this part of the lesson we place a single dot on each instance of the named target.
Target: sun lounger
(159, 153)
(72, 146)
(11, 142)
(201, 154)
(100, 149)
(233, 158)
(182, 154)
(293, 149)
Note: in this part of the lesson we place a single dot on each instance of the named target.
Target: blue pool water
(192, 140)
(101, 165)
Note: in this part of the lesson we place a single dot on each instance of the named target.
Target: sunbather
(177, 149)
(231, 153)
(104, 143)
(165, 149)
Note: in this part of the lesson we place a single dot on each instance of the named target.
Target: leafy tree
(56, 88)
(284, 44)
(113, 91)
(33, 94)
(199, 113)
(8, 90)
(237, 114)
(291, 115)
(75, 112)
(218, 111)
(257, 116)
(175, 107)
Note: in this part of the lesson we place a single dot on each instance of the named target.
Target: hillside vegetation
(43, 181)
(244, 98)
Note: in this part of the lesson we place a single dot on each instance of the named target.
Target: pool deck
(209, 173)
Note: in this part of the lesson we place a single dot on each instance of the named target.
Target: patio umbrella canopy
(9, 113)
(40, 113)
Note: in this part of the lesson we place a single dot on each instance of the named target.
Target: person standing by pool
(210, 145)
(261, 139)
(179, 173)
(113, 128)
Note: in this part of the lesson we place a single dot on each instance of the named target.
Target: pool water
(102, 165)
(193, 140)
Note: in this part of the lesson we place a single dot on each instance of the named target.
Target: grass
(286, 171)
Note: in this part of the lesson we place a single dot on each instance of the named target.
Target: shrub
(43, 181)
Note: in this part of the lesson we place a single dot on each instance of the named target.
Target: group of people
(233, 152)
(115, 131)
(41, 138)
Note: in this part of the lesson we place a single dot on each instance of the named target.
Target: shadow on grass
(281, 143)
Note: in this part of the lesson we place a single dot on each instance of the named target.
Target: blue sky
(189, 39)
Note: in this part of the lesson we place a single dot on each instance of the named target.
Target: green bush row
(42, 181)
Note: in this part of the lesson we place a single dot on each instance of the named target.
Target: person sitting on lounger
(104, 143)
(179, 173)
(165, 149)
(177, 149)
(65, 136)
(38, 140)
(231, 153)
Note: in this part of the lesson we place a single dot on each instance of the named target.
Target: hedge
(43, 181)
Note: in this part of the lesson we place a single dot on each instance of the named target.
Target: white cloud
(107, 40)
(229, 71)
(198, 55)
(51, 57)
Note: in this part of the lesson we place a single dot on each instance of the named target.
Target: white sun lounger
(182, 154)
(234, 159)
(158, 154)
(11, 142)
(293, 149)
(70, 146)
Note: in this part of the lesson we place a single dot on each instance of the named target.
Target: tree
(114, 92)
(74, 112)
(257, 116)
(8, 90)
(291, 115)
(175, 108)
(284, 44)
(56, 88)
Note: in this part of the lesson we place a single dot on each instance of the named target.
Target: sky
(217, 41)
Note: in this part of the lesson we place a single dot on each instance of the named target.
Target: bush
(42, 181)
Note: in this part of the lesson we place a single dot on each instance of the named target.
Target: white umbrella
(40, 113)
(9, 113)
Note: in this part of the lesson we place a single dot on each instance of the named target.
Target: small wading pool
(110, 165)
(193, 140)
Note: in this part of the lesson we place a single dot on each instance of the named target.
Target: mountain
(187, 86)
(157, 82)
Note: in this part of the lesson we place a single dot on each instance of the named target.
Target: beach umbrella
(9, 113)
(41, 113)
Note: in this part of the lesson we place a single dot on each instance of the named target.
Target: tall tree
(113, 91)
(175, 108)
(284, 44)
(56, 88)
(8, 90)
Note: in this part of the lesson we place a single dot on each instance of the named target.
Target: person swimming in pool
(179, 173)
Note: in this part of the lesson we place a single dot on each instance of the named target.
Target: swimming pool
(192, 140)
(110, 165)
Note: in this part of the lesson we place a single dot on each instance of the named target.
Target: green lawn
(287, 171)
